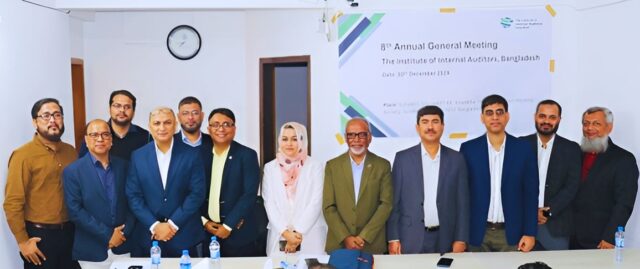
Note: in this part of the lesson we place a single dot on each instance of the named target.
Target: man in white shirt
(435, 177)
(559, 176)
(503, 184)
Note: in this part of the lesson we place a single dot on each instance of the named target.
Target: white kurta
(304, 214)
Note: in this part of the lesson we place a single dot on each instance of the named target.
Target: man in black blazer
(190, 116)
(608, 184)
(559, 175)
(232, 176)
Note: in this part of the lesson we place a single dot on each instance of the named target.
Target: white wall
(34, 63)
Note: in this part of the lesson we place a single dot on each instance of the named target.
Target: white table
(573, 259)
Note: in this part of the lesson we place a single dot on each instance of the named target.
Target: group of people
(129, 186)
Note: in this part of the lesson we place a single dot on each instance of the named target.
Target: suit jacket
(561, 186)
(368, 217)
(304, 214)
(519, 188)
(605, 199)
(86, 201)
(406, 222)
(238, 193)
(178, 201)
(205, 147)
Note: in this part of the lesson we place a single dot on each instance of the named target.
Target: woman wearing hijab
(292, 191)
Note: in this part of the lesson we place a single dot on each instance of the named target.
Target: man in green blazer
(358, 194)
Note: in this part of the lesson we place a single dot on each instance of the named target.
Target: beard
(121, 123)
(549, 132)
(191, 130)
(357, 151)
(51, 136)
(597, 145)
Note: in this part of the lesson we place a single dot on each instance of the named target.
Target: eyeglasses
(105, 135)
(47, 116)
(361, 135)
(497, 112)
(595, 124)
(225, 125)
(117, 106)
(194, 113)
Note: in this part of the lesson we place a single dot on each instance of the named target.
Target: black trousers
(56, 245)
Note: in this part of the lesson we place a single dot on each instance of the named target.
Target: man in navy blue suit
(434, 177)
(503, 184)
(232, 179)
(164, 188)
(96, 202)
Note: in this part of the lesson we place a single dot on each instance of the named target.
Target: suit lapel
(419, 174)
(90, 173)
(228, 163)
(366, 172)
(152, 162)
(175, 157)
(443, 173)
(348, 177)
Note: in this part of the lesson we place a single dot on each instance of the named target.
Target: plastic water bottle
(156, 253)
(619, 243)
(185, 260)
(214, 250)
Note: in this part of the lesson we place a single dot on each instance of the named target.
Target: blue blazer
(86, 202)
(406, 222)
(238, 193)
(519, 188)
(179, 201)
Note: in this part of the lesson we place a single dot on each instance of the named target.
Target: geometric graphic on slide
(353, 31)
(354, 109)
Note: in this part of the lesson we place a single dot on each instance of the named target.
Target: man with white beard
(608, 184)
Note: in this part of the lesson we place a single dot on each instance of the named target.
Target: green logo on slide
(506, 22)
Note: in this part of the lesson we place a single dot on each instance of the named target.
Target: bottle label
(155, 260)
(619, 242)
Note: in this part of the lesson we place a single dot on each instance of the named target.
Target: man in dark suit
(96, 202)
(503, 184)
(190, 117)
(231, 183)
(608, 184)
(435, 177)
(559, 176)
(164, 188)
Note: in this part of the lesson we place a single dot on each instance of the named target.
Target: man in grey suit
(435, 178)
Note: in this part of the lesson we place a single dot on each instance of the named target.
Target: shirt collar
(188, 142)
(354, 162)
(96, 162)
(224, 153)
(54, 146)
(504, 142)
(424, 152)
(549, 144)
(158, 151)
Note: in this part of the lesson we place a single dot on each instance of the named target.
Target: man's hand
(605, 245)
(222, 232)
(163, 232)
(541, 218)
(395, 248)
(352, 242)
(117, 238)
(459, 246)
(211, 227)
(526, 243)
(31, 253)
(292, 237)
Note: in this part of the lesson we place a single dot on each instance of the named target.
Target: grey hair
(161, 110)
(358, 119)
(607, 113)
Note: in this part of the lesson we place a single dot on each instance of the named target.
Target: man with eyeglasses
(608, 184)
(34, 198)
(559, 176)
(232, 176)
(358, 194)
(164, 190)
(503, 184)
(126, 136)
(94, 195)
(190, 117)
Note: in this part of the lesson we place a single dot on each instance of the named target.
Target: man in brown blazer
(358, 194)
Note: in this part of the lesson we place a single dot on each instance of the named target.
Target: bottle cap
(154, 243)
(185, 252)
(213, 238)
(620, 229)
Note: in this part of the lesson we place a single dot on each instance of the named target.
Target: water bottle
(185, 260)
(214, 250)
(156, 253)
(619, 243)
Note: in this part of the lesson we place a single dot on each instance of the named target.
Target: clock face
(184, 42)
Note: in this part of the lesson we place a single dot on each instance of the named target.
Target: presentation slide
(393, 63)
